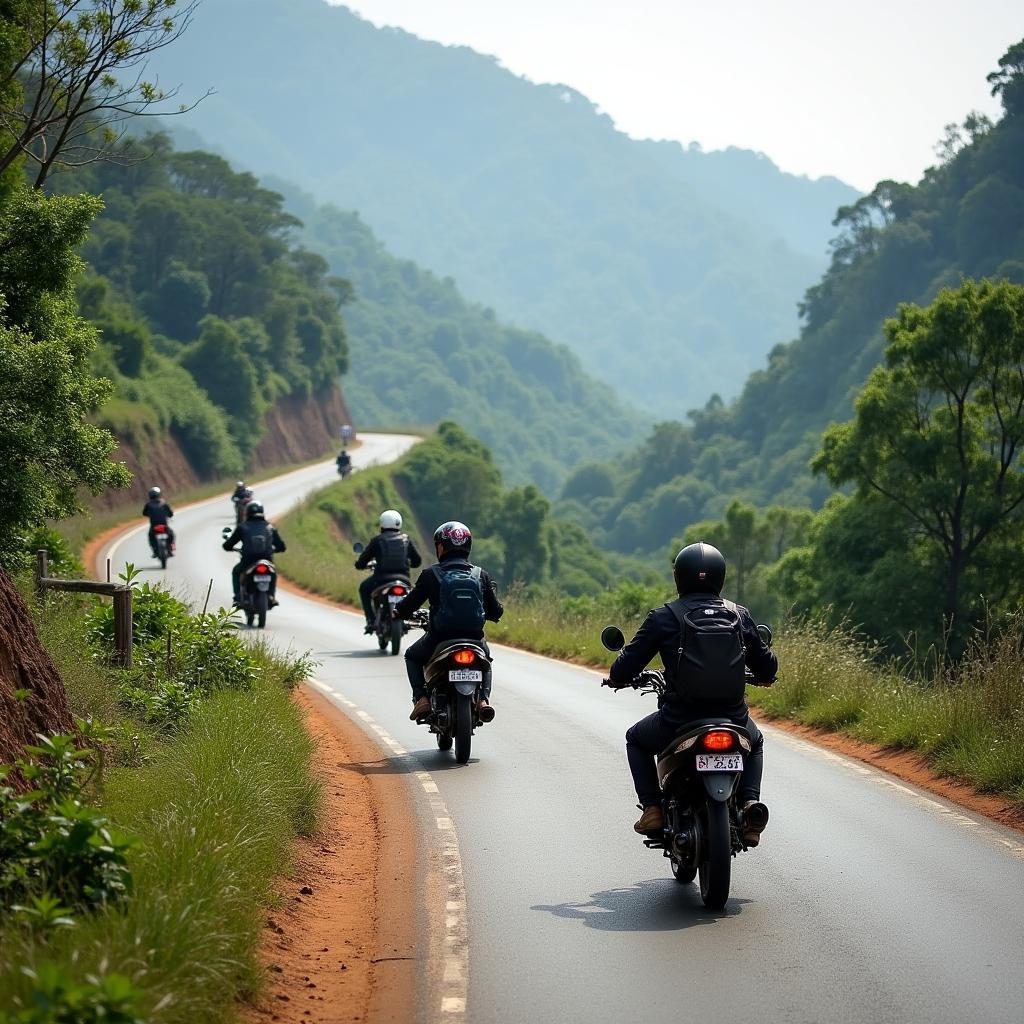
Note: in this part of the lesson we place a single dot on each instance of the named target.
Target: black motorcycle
(388, 628)
(456, 675)
(699, 773)
(254, 589)
(162, 543)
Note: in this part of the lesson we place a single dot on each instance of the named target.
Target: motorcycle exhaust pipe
(756, 816)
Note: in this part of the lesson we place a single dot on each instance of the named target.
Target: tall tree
(938, 429)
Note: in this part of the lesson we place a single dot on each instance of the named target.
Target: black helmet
(254, 510)
(699, 568)
(154, 492)
(453, 538)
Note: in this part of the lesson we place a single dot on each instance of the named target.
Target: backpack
(460, 605)
(712, 659)
(394, 554)
(257, 540)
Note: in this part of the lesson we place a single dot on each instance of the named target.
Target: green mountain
(671, 272)
(420, 353)
(901, 243)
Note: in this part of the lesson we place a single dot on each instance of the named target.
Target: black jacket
(372, 553)
(428, 588)
(242, 532)
(157, 512)
(659, 634)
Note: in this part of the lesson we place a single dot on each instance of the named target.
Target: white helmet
(390, 519)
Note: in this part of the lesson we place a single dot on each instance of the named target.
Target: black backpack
(393, 556)
(257, 540)
(712, 660)
(460, 605)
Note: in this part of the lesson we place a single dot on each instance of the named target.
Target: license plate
(395, 598)
(719, 762)
(465, 675)
(262, 584)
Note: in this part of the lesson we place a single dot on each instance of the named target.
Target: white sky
(861, 91)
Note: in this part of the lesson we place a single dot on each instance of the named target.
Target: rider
(699, 571)
(260, 540)
(452, 542)
(394, 553)
(157, 511)
(239, 491)
(241, 502)
(344, 461)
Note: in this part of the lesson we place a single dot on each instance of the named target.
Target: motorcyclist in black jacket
(395, 554)
(260, 539)
(158, 512)
(699, 572)
(452, 542)
(343, 462)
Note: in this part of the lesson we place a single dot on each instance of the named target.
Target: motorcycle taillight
(398, 590)
(718, 740)
(463, 657)
(262, 569)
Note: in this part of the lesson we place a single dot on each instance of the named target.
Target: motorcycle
(162, 542)
(699, 774)
(254, 587)
(387, 627)
(455, 676)
(344, 469)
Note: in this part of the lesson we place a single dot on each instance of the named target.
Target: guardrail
(120, 592)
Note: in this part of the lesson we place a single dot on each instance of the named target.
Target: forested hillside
(193, 280)
(421, 353)
(639, 255)
(899, 244)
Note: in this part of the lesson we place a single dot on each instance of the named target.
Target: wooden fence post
(123, 627)
(42, 571)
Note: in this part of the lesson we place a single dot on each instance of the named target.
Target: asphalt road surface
(867, 901)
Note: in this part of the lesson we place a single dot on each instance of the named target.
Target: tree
(48, 449)
(1008, 82)
(71, 103)
(740, 537)
(938, 429)
(521, 523)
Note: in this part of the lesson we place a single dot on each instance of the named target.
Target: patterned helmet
(453, 537)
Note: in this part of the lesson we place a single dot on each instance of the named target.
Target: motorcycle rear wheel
(716, 858)
(396, 635)
(163, 558)
(262, 603)
(463, 727)
(683, 875)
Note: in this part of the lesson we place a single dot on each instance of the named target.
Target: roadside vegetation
(137, 868)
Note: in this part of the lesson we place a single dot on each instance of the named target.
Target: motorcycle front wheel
(716, 855)
(396, 635)
(463, 727)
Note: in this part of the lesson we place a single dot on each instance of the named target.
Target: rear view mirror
(226, 532)
(612, 638)
(765, 633)
(357, 548)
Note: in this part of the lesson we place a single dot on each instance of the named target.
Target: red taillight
(160, 529)
(262, 569)
(718, 740)
(398, 590)
(463, 657)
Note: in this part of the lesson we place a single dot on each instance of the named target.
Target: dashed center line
(451, 1001)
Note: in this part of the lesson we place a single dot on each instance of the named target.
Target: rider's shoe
(651, 822)
(753, 819)
(273, 602)
(368, 628)
(484, 711)
(420, 709)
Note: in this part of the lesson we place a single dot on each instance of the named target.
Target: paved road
(868, 900)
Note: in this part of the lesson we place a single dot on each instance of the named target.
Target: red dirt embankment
(25, 666)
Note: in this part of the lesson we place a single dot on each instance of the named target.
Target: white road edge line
(454, 994)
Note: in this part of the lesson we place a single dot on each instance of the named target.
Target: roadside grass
(215, 807)
(966, 721)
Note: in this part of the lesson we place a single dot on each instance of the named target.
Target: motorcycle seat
(442, 649)
(389, 583)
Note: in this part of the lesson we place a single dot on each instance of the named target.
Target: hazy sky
(859, 90)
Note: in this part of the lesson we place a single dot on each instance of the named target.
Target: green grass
(216, 808)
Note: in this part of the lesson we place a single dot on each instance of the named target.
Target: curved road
(868, 900)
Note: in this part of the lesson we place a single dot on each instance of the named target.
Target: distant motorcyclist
(158, 512)
(239, 491)
(394, 553)
(241, 502)
(699, 572)
(260, 540)
(452, 542)
(344, 462)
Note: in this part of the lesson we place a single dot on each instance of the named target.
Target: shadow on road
(657, 905)
(408, 764)
(368, 652)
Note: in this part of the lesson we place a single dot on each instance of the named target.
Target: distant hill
(671, 272)
(901, 243)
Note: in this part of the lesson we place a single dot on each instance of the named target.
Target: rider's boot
(484, 711)
(651, 822)
(420, 709)
(753, 819)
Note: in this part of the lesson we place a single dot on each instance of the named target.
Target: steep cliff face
(32, 697)
(297, 428)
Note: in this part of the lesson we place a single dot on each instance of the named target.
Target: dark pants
(418, 654)
(651, 735)
(152, 539)
(236, 580)
(367, 587)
